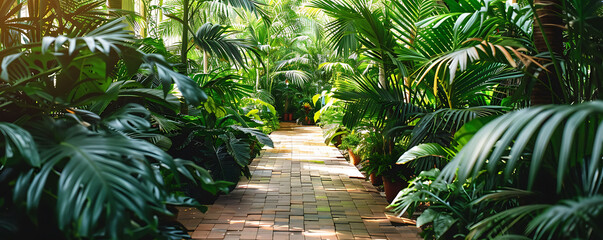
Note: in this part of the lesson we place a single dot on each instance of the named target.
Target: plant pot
(354, 159)
(375, 180)
(391, 188)
(307, 121)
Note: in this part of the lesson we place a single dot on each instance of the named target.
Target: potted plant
(393, 176)
(349, 143)
(380, 156)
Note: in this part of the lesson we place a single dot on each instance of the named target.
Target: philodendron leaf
(426, 217)
(442, 223)
(238, 148)
(259, 135)
(130, 118)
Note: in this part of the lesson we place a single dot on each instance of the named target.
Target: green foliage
(435, 94)
(425, 150)
(558, 148)
(263, 113)
(82, 108)
(81, 176)
(350, 141)
(213, 39)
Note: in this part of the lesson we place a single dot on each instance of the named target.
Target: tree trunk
(547, 89)
(257, 79)
(115, 4)
(205, 62)
(382, 79)
(184, 47)
(143, 13)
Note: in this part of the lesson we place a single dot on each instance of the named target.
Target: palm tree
(548, 31)
(188, 15)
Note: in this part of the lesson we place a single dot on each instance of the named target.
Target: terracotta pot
(354, 159)
(375, 180)
(391, 189)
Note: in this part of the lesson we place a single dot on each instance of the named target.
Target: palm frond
(406, 14)
(365, 97)
(297, 77)
(224, 86)
(213, 38)
(104, 177)
(425, 150)
(330, 66)
(560, 136)
(292, 61)
(461, 58)
(568, 217)
(448, 120)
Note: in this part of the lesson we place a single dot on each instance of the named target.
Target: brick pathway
(301, 189)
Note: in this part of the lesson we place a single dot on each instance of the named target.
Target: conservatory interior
(301, 119)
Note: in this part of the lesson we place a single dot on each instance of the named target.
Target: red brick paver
(301, 189)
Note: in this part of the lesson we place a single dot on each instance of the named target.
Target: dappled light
(319, 233)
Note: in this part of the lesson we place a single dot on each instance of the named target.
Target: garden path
(301, 189)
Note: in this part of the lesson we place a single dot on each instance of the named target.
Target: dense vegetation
(488, 111)
(452, 98)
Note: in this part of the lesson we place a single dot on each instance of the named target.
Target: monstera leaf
(100, 180)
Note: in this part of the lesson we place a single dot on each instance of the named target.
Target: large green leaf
(259, 135)
(555, 135)
(238, 148)
(102, 178)
(160, 69)
(129, 119)
(425, 150)
(213, 38)
(17, 145)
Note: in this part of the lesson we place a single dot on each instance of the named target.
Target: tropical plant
(543, 145)
(80, 178)
(97, 173)
(191, 12)
(350, 141)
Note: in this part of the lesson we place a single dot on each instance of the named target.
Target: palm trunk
(115, 4)
(382, 80)
(257, 79)
(143, 14)
(205, 62)
(184, 47)
(547, 38)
